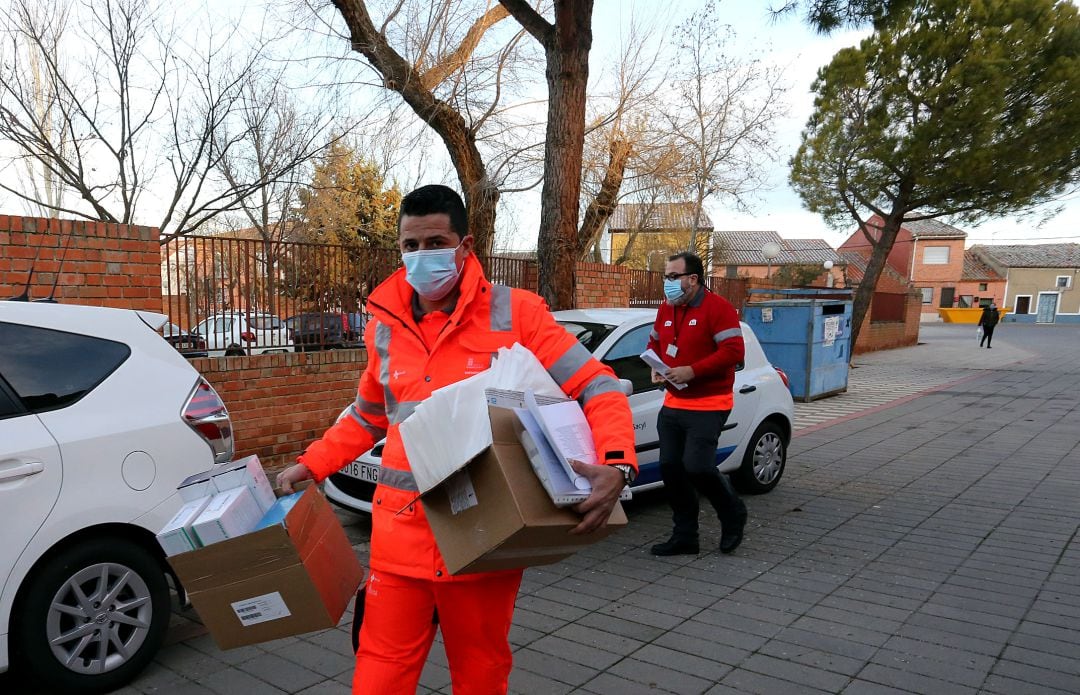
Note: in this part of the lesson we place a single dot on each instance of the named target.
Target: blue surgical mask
(433, 273)
(673, 289)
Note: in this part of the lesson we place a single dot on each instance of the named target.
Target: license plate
(362, 471)
(184, 345)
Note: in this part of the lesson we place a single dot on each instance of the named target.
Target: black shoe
(675, 546)
(732, 533)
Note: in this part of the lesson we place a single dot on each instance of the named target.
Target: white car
(752, 447)
(239, 333)
(100, 419)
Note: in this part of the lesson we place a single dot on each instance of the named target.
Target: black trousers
(688, 466)
(988, 336)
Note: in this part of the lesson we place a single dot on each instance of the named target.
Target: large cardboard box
(496, 515)
(277, 582)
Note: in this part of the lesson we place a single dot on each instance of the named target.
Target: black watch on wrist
(627, 470)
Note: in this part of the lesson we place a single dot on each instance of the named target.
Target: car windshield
(171, 329)
(265, 322)
(588, 334)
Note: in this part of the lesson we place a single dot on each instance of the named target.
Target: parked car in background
(324, 330)
(239, 333)
(100, 420)
(752, 447)
(187, 344)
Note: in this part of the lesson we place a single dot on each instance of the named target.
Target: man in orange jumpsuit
(437, 321)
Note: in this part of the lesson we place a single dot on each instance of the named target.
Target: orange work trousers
(397, 632)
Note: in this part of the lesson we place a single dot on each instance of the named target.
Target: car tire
(98, 567)
(764, 461)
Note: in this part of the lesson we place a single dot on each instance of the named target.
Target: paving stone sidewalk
(920, 542)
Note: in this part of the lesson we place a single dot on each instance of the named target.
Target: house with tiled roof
(1040, 280)
(929, 253)
(643, 235)
(739, 254)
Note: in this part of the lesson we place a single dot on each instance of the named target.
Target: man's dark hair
(694, 265)
(436, 199)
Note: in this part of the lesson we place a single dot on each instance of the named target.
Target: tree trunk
(874, 267)
(603, 205)
(567, 76)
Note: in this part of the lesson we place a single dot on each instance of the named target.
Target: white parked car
(100, 419)
(753, 446)
(239, 333)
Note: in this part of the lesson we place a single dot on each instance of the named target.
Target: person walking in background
(987, 321)
(698, 336)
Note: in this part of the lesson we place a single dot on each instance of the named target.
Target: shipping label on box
(287, 579)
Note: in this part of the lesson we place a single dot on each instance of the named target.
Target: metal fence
(244, 296)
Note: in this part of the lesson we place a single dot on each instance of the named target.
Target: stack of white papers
(451, 427)
(654, 361)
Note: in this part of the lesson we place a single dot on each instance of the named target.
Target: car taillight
(205, 413)
(247, 336)
(783, 377)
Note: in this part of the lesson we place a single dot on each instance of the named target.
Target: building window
(1022, 304)
(966, 301)
(935, 255)
(927, 295)
(982, 286)
(1063, 282)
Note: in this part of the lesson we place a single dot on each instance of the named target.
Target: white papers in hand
(567, 432)
(517, 369)
(653, 360)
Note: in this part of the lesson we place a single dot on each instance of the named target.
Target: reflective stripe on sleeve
(568, 365)
(602, 383)
(729, 333)
(372, 429)
(369, 407)
(399, 480)
(501, 312)
(404, 410)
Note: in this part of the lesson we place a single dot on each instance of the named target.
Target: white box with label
(229, 514)
(177, 536)
(247, 472)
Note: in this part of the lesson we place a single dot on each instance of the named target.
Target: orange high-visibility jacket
(401, 372)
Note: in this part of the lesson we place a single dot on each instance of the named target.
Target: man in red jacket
(435, 322)
(698, 336)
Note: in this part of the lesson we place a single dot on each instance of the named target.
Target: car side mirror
(627, 386)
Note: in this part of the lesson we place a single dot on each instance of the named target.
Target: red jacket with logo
(402, 371)
(706, 335)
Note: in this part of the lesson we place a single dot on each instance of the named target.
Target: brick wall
(885, 335)
(601, 285)
(106, 264)
(279, 403)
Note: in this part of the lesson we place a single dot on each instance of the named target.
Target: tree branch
(541, 29)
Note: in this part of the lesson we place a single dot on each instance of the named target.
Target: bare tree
(132, 128)
(722, 112)
(421, 51)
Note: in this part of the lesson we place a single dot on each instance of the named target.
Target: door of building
(1047, 310)
(947, 295)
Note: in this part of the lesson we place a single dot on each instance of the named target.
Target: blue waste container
(808, 335)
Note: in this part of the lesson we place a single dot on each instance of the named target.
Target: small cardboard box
(246, 472)
(229, 514)
(280, 581)
(496, 515)
(177, 535)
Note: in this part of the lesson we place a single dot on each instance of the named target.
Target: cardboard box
(229, 514)
(283, 580)
(177, 535)
(246, 472)
(496, 515)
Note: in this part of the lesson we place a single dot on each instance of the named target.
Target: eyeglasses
(675, 276)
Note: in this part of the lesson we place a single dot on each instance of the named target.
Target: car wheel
(764, 460)
(93, 616)
(234, 351)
